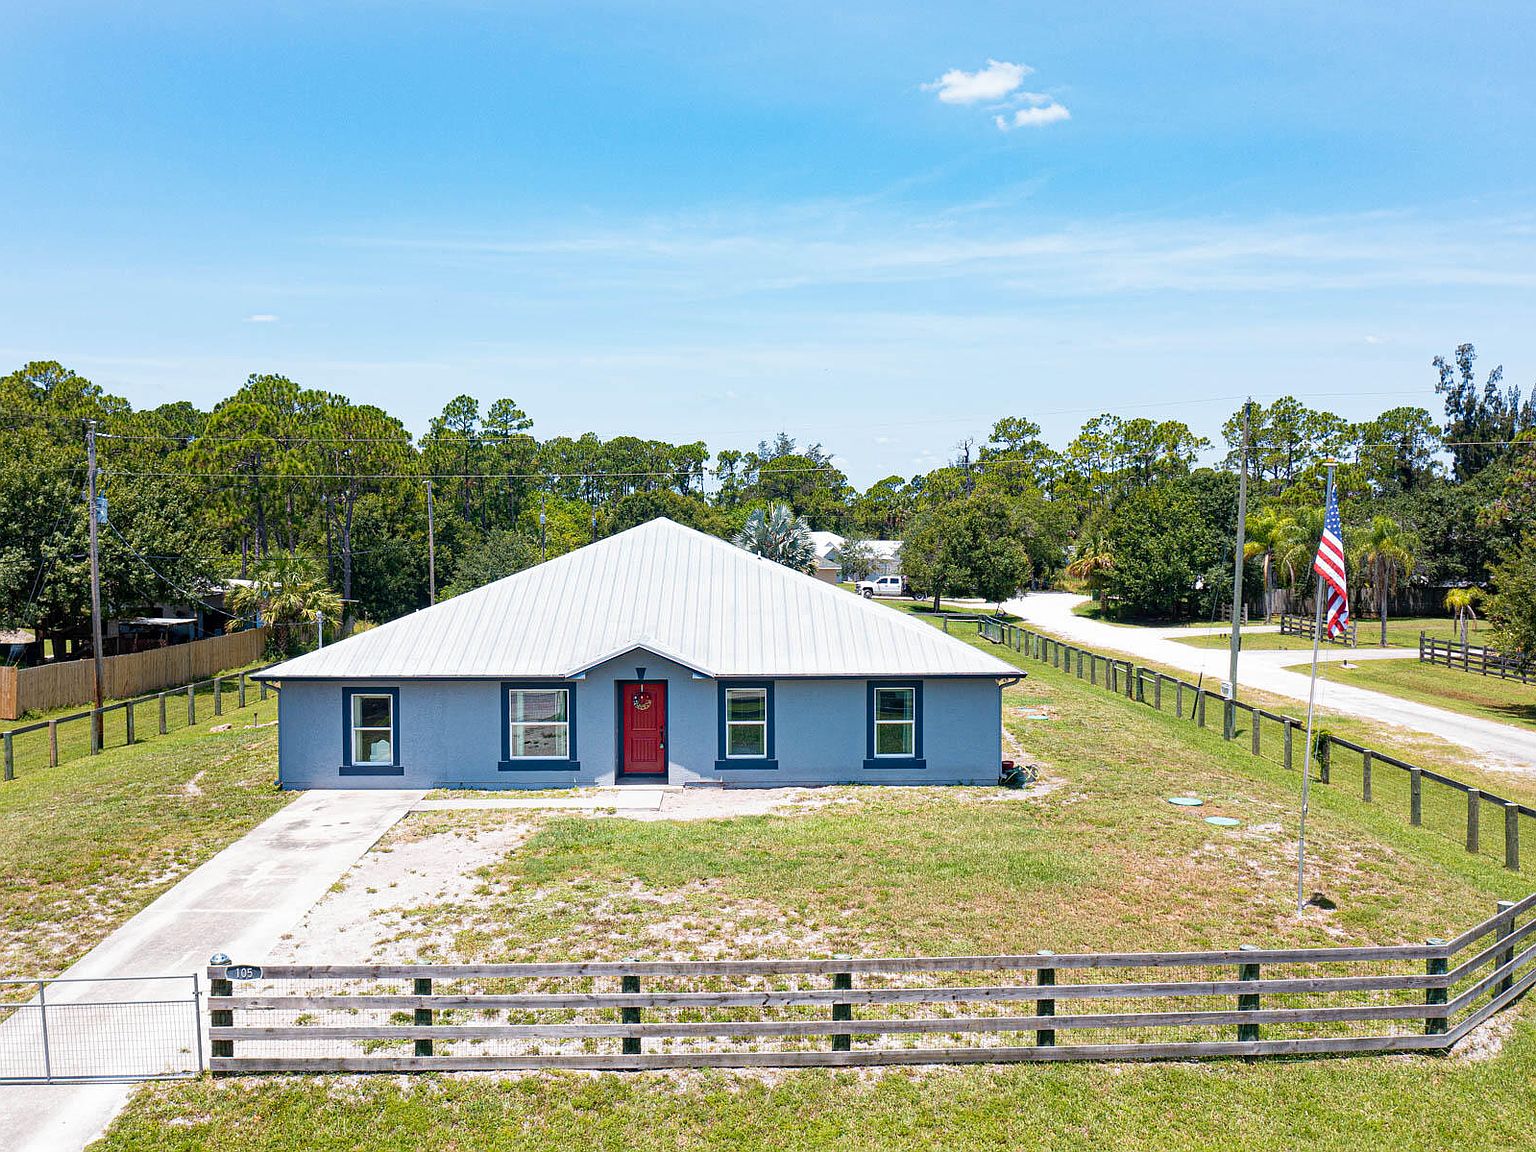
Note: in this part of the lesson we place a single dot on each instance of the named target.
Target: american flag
(1329, 567)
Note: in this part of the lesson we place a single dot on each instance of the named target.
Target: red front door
(643, 707)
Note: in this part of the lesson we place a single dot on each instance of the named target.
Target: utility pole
(1230, 720)
(431, 550)
(542, 539)
(96, 659)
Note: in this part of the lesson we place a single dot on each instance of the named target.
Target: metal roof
(693, 598)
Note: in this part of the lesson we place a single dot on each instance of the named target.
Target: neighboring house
(658, 655)
(887, 553)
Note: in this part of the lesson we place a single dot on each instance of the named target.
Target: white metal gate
(114, 1028)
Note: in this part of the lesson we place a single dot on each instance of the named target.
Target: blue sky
(878, 225)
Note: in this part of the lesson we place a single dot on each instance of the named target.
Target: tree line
(283, 484)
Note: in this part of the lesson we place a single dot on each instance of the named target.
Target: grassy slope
(940, 869)
(86, 845)
(1486, 697)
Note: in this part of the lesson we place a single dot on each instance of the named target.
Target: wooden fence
(68, 682)
(1474, 658)
(1293, 625)
(843, 1012)
(1485, 822)
(64, 738)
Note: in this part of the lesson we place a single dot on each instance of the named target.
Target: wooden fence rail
(68, 682)
(170, 707)
(1474, 658)
(1294, 625)
(1238, 1002)
(1421, 790)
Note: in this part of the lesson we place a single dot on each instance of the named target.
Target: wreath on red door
(640, 701)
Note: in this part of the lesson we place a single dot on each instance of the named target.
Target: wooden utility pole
(1229, 720)
(431, 550)
(96, 658)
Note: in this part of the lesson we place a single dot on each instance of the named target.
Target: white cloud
(993, 82)
(1036, 115)
(262, 318)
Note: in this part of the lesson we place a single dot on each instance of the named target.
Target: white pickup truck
(882, 586)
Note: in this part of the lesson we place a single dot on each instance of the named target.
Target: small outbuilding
(658, 655)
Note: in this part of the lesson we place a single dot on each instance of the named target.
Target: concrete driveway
(1499, 746)
(240, 903)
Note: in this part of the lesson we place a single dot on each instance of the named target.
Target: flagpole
(1306, 769)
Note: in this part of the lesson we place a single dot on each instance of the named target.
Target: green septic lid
(1222, 821)
(1186, 801)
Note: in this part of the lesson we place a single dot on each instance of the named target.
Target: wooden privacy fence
(1293, 625)
(53, 742)
(842, 1012)
(1474, 658)
(67, 682)
(1487, 824)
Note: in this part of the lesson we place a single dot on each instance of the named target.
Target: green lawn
(86, 845)
(1400, 634)
(1097, 860)
(31, 750)
(1487, 697)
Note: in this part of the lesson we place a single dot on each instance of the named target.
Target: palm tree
(1386, 552)
(1269, 534)
(1296, 549)
(286, 592)
(1460, 602)
(777, 534)
(1093, 565)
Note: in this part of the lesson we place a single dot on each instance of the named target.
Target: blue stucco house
(658, 655)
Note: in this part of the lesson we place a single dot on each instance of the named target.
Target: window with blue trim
(370, 731)
(746, 723)
(746, 726)
(894, 724)
(538, 728)
(539, 724)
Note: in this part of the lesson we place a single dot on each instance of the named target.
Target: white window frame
(909, 724)
(513, 724)
(359, 729)
(730, 724)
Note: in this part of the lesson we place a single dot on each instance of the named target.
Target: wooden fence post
(1433, 997)
(53, 743)
(242, 689)
(162, 713)
(1512, 836)
(1366, 758)
(1093, 669)
(191, 705)
(1324, 757)
(1248, 1032)
(630, 1015)
(10, 759)
(1133, 688)
(1178, 699)
(1200, 706)
(1474, 806)
(96, 731)
(1255, 718)
(128, 722)
(1415, 797)
(1506, 926)
(1157, 691)
(261, 690)
(218, 696)
(1046, 1037)
(842, 982)
(422, 1016)
(1290, 733)
(221, 1017)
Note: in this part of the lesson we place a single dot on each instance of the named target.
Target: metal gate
(114, 1028)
